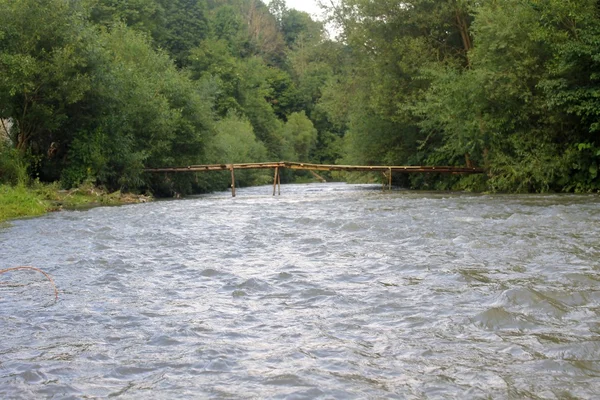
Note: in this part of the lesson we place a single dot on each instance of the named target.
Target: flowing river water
(330, 291)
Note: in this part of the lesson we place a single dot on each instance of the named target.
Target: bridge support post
(232, 181)
(387, 175)
(275, 180)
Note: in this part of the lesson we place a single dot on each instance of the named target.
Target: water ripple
(329, 291)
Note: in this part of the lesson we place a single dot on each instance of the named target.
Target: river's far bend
(330, 291)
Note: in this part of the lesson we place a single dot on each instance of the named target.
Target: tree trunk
(468, 160)
(462, 25)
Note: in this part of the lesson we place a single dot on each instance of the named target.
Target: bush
(13, 166)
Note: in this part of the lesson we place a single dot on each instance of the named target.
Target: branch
(4, 127)
(2, 271)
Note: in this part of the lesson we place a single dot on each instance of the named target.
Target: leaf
(593, 170)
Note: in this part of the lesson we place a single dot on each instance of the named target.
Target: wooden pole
(390, 181)
(232, 181)
(319, 177)
(2, 271)
(383, 181)
(275, 180)
(279, 184)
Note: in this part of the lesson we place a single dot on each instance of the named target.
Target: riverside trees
(97, 89)
(510, 85)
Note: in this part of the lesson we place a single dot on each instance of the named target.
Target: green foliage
(213, 61)
(142, 15)
(529, 118)
(227, 25)
(255, 92)
(534, 164)
(185, 26)
(43, 69)
(510, 86)
(18, 201)
(300, 137)
(13, 166)
(299, 28)
(94, 99)
(97, 90)
(584, 161)
(235, 141)
(145, 113)
(87, 159)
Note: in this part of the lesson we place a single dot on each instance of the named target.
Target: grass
(21, 201)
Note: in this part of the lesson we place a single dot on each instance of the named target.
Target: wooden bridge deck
(387, 170)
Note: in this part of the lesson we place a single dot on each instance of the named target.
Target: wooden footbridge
(387, 171)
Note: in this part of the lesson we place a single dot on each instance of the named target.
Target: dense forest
(97, 90)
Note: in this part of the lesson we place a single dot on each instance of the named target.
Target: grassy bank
(21, 201)
(17, 202)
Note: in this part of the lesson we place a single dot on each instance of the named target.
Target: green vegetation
(508, 85)
(93, 91)
(20, 201)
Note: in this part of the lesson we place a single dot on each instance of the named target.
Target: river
(329, 291)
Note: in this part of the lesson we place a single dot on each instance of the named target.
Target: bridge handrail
(320, 167)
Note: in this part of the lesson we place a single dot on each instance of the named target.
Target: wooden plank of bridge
(322, 167)
(375, 168)
(215, 167)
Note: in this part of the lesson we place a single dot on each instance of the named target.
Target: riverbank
(22, 201)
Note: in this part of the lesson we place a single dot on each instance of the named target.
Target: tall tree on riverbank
(509, 85)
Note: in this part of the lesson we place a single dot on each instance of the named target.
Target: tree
(524, 108)
(263, 30)
(185, 26)
(299, 26)
(145, 113)
(300, 136)
(572, 30)
(278, 9)
(146, 16)
(393, 47)
(43, 71)
(235, 141)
